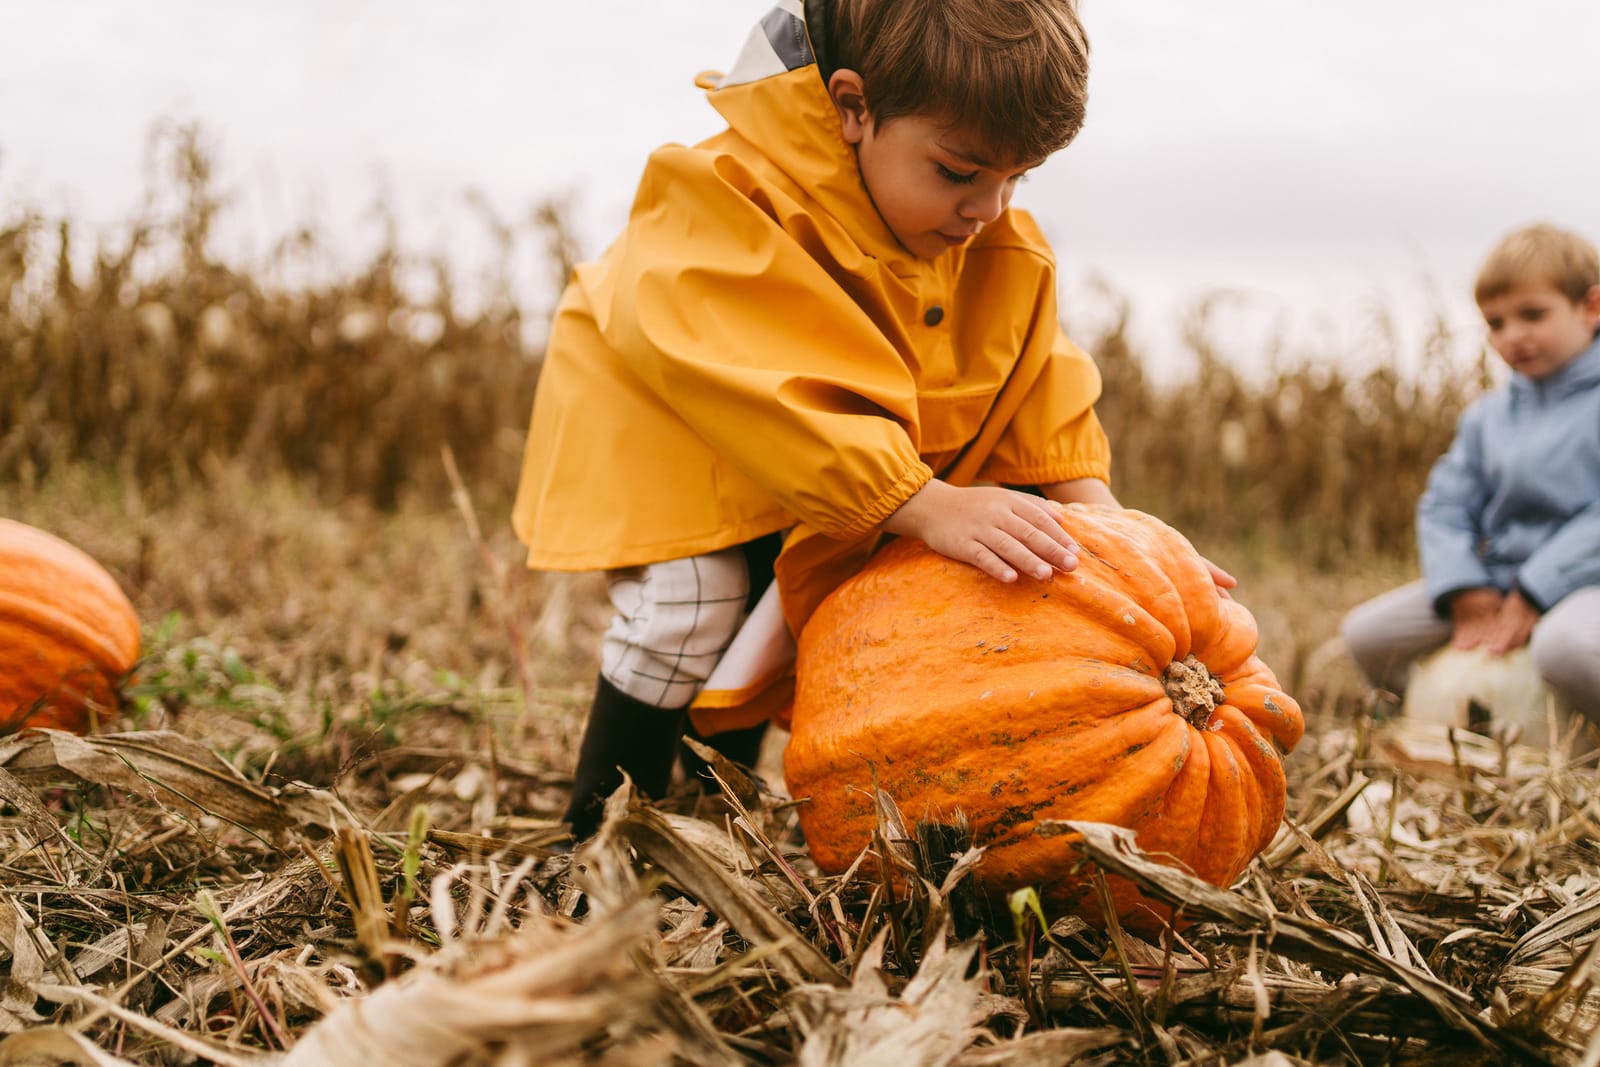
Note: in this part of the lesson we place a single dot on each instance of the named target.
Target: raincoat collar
(776, 97)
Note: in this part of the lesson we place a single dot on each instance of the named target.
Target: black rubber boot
(741, 746)
(622, 734)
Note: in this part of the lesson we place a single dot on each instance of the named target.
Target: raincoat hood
(776, 98)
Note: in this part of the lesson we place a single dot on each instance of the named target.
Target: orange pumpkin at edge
(1126, 691)
(68, 634)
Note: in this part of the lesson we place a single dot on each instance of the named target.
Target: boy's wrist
(1520, 591)
(910, 518)
(1081, 491)
(1469, 603)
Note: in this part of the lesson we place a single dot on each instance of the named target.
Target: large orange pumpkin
(1126, 691)
(68, 634)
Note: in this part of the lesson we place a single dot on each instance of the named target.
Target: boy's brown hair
(1539, 253)
(1015, 71)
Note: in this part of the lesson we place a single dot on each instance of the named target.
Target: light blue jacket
(1515, 502)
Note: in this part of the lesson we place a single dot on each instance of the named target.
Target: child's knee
(1569, 661)
(673, 622)
(1363, 639)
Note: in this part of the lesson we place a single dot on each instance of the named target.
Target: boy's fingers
(991, 563)
(1044, 520)
(1037, 557)
(1221, 578)
(1050, 543)
(1060, 554)
(1014, 553)
(1058, 557)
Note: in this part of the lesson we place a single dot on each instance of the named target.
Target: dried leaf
(209, 1051)
(545, 989)
(932, 1022)
(709, 882)
(1044, 1048)
(1113, 848)
(165, 767)
(54, 1046)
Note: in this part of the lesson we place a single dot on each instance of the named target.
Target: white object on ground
(1507, 692)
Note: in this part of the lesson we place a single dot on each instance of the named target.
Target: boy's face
(1537, 329)
(932, 183)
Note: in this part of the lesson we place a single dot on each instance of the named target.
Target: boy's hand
(1095, 492)
(1474, 614)
(1513, 625)
(1000, 531)
(1220, 578)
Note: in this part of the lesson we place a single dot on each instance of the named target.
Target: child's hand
(1096, 493)
(1513, 625)
(1000, 531)
(1220, 578)
(1475, 615)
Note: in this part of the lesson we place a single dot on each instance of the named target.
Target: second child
(1508, 528)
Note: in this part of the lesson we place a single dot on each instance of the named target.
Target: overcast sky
(1321, 156)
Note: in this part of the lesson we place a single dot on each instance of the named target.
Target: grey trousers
(1385, 634)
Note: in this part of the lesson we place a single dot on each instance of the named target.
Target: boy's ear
(1591, 305)
(849, 95)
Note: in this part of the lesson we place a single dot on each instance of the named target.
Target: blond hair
(1014, 71)
(1539, 253)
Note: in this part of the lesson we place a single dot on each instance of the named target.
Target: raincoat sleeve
(1449, 513)
(1567, 562)
(757, 347)
(1055, 435)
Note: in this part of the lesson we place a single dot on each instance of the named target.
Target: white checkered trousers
(673, 622)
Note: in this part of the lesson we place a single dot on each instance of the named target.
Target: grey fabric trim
(819, 31)
(787, 35)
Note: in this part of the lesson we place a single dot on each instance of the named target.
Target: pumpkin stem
(1194, 692)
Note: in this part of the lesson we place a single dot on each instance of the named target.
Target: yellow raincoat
(756, 353)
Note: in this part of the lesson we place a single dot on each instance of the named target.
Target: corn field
(164, 361)
(161, 361)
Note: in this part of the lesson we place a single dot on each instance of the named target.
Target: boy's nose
(984, 206)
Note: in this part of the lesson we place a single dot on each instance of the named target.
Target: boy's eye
(952, 176)
(1494, 324)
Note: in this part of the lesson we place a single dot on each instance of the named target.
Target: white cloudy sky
(1321, 156)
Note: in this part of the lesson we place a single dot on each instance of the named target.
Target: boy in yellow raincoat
(820, 327)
